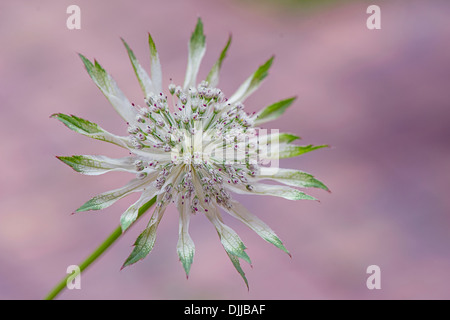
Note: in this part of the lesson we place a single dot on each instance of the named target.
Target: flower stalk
(96, 253)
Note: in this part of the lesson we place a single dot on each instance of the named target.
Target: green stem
(97, 253)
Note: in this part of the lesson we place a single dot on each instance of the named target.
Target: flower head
(194, 155)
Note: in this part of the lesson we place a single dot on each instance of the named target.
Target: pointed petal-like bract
(144, 80)
(238, 211)
(130, 215)
(231, 242)
(185, 244)
(271, 190)
(90, 129)
(155, 66)
(213, 75)
(146, 240)
(252, 83)
(237, 266)
(106, 199)
(273, 111)
(197, 48)
(274, 138)
(95, 165)
(284, 151)
(110, 89)
(229, 238)
(291, 177)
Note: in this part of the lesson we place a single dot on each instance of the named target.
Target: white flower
(194, 156)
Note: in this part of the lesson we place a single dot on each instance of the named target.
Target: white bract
(194, 155)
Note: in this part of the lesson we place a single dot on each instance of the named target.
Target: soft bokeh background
(380, 98)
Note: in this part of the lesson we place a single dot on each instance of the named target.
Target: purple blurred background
(380, 98)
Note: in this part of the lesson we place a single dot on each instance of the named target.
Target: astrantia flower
(194, 156)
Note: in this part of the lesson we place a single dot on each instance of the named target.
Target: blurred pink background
(380, 98)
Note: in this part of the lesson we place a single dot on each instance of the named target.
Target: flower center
(205, 142)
